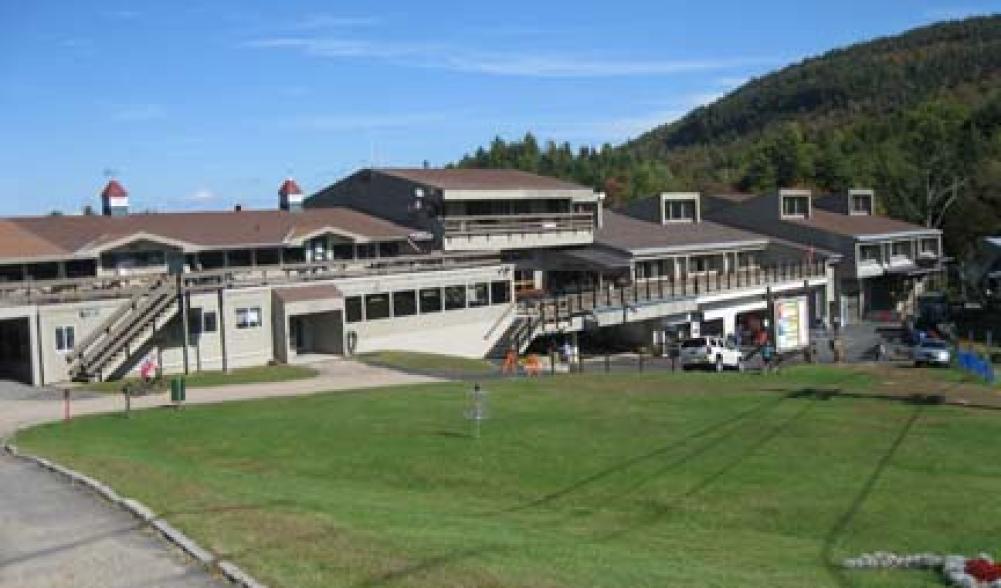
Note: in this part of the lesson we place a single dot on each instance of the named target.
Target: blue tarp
(975, 364)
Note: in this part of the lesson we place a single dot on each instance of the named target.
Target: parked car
(931, 352)
(710, 352)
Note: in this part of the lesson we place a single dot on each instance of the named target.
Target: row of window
(425, 300)
(696, 264)
(376, 306)
(897, 249)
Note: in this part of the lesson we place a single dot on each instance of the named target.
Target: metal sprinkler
(477, 411)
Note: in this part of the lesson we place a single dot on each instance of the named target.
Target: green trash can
(184, 389)
(175, 390)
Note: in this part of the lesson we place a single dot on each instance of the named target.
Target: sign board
(792, 324)
(696, 330)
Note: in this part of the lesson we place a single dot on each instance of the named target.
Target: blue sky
(206, 104)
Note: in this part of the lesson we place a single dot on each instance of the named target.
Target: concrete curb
(229, 570)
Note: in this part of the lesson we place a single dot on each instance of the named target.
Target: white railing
(456, 226)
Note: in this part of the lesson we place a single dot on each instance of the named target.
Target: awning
(308, 293)
(600, 258)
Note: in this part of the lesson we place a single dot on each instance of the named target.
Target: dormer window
(861, 204)
(679, 211)
(795, 206)
(679, 207)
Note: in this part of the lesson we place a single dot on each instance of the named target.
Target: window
(479, 294)
(679, 210)
(389, 249)
(640, 270)
(248, 318)
(404, 303)
(795, 205)
(870, 252)
(500, 292)
(455, 297)
(367, 250)
(901, 249)
(133, 259)
(376, 306)
(239, 258)
(352, 309)
(268, 256)
(747, 259)
(65, 338)
(929, 246)
(294, 255)
(201, 321)
(861, 204)
(344, 251)
(209, 322)
(430, 300)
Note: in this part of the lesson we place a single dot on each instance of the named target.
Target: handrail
(558, 307)
(108, 323)
(102, 287)
(127, 334)
(121, 334)
(511, 307)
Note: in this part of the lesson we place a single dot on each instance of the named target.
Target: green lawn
(251, 375)
(623, 480)
(430, 362)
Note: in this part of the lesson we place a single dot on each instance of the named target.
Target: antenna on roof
(109, 172)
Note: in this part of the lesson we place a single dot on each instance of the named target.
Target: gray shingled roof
(480, 179)
(630, 234)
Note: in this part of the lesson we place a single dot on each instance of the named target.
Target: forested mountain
(915, 116)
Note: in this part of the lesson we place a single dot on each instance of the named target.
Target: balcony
(562, 308)
(517, 231)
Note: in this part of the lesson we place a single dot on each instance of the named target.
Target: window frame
(243, 315)
(422, 297)
(376, 296)
(65, 338)
(349, 315)
(410, 310)
(451, 295)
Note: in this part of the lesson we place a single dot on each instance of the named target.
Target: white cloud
(201, 195)
(358, 122)
(951, 12)
(139, 113)
(329, 21)
(436, 56)
(616, 129)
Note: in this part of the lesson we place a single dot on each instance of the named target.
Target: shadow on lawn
(661, 450)
(425, 565)
(715, 476)
(842, 523)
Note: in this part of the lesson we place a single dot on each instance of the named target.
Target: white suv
(710, 352)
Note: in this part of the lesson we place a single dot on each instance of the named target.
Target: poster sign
(791, 324)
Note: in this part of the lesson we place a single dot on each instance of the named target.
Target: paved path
(54, 535)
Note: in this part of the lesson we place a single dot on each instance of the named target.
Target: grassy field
(623, 480)
(251, 375)
(430, 362)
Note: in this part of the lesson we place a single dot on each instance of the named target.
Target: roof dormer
(680, 207)
(795, 204)
(861, 202)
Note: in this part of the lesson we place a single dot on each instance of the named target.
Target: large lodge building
(457, 261)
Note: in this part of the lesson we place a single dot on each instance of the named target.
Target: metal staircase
(125, 331)
(519, 334)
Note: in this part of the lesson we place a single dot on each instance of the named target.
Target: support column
(221, 319)
(183, 298)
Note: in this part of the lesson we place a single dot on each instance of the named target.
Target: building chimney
(290, 196)
(114, 199)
